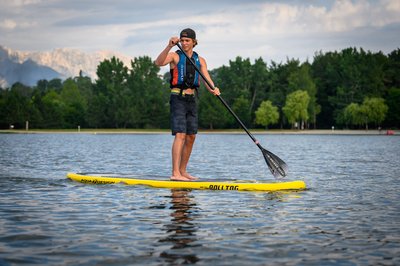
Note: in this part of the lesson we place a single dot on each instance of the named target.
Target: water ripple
(348, 216)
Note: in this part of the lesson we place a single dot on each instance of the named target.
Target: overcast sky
(273, 30)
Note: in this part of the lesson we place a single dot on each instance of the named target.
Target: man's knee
(190, 138)
(180, 136)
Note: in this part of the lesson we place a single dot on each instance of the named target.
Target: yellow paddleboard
(210, 185)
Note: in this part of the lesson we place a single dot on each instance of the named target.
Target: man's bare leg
(177, 149)
(186, 152)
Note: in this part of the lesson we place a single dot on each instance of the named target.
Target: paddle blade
(275, 164)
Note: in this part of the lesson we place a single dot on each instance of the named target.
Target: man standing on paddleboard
(184, 83)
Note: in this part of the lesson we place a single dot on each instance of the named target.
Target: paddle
(276, 165)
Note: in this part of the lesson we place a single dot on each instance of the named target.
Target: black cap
(188, 33)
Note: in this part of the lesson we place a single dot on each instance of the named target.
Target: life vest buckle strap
(181, 92)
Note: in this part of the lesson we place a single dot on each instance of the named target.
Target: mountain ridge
(57, 63)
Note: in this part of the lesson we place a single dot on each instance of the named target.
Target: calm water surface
(350, 215)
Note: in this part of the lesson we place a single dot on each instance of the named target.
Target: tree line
(351, 88)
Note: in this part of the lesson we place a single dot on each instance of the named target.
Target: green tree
(278, 83)
(375, 110)
(259, 78)
(42, 86)
(393, 115)
(244, 84)
(85, 87)
(212, 113)
(16, 106)
(325, 71)
(392, 70)
(301, 79)
(267, 114)
(97, 111)
(53, 110)
(296, 107)
(55, 84)
(278, 86)
(148, 105)
(241, 108)
(235, 79)
(110, 92)
(354, 114)
(74, 103)
(345, 77)
(372, 110)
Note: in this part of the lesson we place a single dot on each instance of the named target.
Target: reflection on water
(181, 231)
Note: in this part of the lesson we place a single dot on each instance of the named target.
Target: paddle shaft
(275, 164)
(221, 99)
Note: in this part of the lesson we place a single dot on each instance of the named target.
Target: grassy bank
(225, 131)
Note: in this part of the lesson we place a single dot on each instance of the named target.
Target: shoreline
(224, 131)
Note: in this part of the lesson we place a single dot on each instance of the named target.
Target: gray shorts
(183, 113)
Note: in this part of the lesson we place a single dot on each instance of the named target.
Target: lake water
(349, 215)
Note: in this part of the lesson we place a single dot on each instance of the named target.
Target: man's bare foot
(180, 178)
(190, 177)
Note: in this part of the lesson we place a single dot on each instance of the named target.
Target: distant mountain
(27, 72)
(29, 67)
